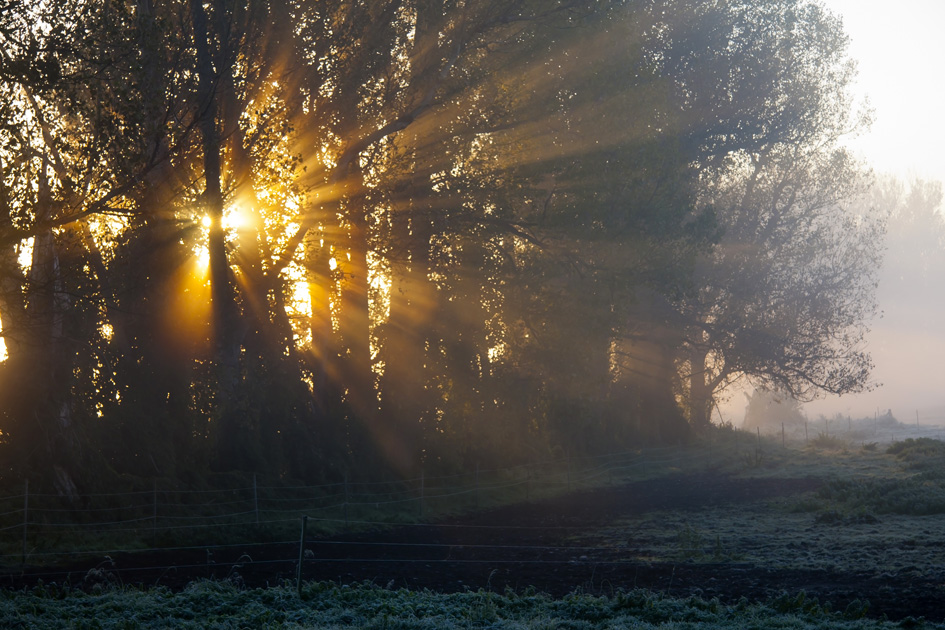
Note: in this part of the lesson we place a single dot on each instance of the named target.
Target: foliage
(772, 410)
(924, 453)
(828, 442)
(313, 240)
(785, 298)
(918, 495)
(323, 605)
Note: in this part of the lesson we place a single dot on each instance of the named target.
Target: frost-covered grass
(323, 605)
(879, 511)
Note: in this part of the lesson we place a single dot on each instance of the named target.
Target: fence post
(255, 499)
(421, 494)
(26, 514)
(806, 439)
(782, 435)
(477, 486)
(758, 446)
(298, 574)
(346, 499)
(569, 471)
(154, 516)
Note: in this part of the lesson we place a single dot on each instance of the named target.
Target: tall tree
(786, 296)
(280, 235)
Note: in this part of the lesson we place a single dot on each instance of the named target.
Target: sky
(900, 47)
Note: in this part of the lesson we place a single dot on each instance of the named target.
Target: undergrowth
(921, 492)
(211, 604)
(825, 441)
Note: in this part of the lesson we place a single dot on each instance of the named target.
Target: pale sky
(900, 47)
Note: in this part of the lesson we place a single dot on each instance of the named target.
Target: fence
(38, 527)
(44, 530)
(881, 430)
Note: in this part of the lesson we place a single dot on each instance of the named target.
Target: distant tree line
(299, 238)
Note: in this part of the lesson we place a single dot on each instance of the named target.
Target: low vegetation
(876, 510)
(322, 605)
(920, 493)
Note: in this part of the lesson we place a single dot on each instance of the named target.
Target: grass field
(222, 605)
(878, 510)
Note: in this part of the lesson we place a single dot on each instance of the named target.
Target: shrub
(828, 442)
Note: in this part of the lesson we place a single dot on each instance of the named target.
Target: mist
(907, 340)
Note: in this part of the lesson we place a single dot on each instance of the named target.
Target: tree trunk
(231, 442)
(700, 391)
(12, 305)
(357, 376)
(323, 361)
(46, 369)
(406, 399)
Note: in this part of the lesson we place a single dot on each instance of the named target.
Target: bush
(828, 442)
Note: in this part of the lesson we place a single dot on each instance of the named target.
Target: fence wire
(39, 528)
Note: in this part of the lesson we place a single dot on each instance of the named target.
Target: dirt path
(534, 545)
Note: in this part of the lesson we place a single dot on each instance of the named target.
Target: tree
(785, 297)
(282, 236)
(772, 410)
(916, 247)
(55, 128)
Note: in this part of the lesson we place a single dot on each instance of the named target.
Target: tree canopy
(288, 237)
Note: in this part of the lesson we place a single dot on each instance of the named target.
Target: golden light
(187, 315)
(301, 304)
(202, 257)
(25, 253)
(234, 218)
(332, 263)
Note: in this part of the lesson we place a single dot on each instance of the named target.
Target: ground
(711, 534)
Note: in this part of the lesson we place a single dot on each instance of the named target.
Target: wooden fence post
(477, 486)
(298, 574)
(26, 514)
(421, 494)
(154, 515)
(255, 499)
(569, 471)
